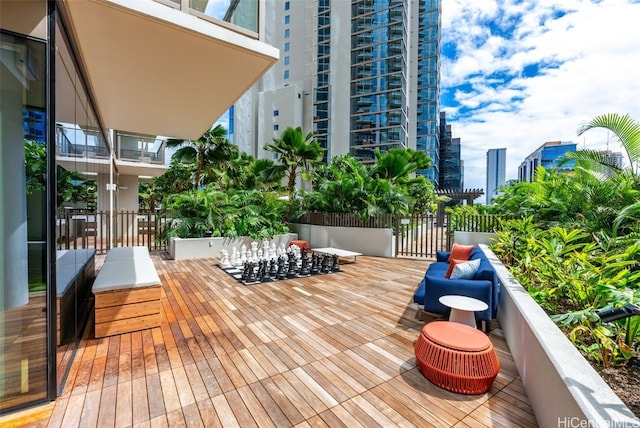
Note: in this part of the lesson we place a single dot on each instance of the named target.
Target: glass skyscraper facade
(378, 105)
(451, 171)
(428, 85)
(368, 71)
(322, 92)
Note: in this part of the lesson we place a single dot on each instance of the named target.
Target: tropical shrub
(348, 186)
(210, 212)
(574, 242)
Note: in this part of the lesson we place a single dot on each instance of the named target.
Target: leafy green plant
(348, 186)
(297, 155)
(602, 344)
(210, 212)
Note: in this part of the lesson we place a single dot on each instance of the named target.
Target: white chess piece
(224, 259)
(243, 254)
(274, 250)
(295, 250)
(235, 257)
(254, 251)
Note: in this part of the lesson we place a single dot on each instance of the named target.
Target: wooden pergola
(468, 195)
(461, 195)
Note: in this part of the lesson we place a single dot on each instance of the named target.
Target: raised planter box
(562, 387)
(367, 241)
(200, 248)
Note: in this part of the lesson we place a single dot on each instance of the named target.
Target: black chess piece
(245, 272)
(252, 272)
(265, 277)
(291, 271)
(304, 268)
(261, 272)
(315, 260)
(325, 267)
(272, 268)
(281, 273)
(335, 267)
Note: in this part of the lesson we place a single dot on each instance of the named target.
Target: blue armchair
(484, 286)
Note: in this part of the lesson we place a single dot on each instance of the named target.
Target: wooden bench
(127, 292)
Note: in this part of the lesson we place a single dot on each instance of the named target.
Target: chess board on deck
(239, 273)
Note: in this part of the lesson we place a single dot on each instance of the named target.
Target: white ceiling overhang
(156, 70)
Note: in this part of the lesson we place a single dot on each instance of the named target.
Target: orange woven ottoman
(300, 243)
(457, 357)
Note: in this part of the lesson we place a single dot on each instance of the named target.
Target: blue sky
(516, 74)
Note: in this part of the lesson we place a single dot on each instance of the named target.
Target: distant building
(496, 167)
(451, 167)
(362, 75)
(614, 158)
(547, 156)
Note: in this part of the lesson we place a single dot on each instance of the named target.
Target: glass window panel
(23, 249)
(243, 13)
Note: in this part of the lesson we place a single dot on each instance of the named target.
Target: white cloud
(594, 50)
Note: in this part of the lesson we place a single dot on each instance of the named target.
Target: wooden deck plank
(140, 404)
(332, 350)
(124, 404)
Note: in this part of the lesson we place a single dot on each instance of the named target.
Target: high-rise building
(87, 87)
(614, 158)
(546, 156)
(362, 75)
(451, 170)
(496, 167)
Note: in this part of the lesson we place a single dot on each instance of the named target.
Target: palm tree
(211, 148)
(626, 129)
(625, 181)
(296, 152)
(399, 163)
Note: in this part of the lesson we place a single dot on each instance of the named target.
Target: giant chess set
(268, 263)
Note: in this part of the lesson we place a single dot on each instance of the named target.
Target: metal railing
(421, 235)
(346, 220)
(86, 228)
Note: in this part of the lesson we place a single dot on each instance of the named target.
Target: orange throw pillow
(460, 252)
(453, 264)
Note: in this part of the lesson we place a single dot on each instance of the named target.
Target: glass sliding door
(23, 225)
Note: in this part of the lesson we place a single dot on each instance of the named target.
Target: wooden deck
(330, 350)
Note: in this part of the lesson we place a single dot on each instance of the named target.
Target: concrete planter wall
(199, 248)
(368, 241)
(563, 388)
(472, 238)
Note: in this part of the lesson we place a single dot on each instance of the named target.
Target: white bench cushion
(127, 253)
(69, 264)
(120, 274)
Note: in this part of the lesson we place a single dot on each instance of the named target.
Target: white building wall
(339, 78)
(288, 103)
(246, 123)
(127, 193)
